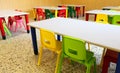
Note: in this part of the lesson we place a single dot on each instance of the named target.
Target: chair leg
(95, 66)
(40, 55)
(57, 62)
(6, 29)
(16, 26)
(60, 63)
(103, 54)
(88, 69)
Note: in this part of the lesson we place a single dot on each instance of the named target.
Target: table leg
(87, 17)
(118, 65)
(35, 14)
(2, 30)
(27, 21)
(34, 40)
(58, 36)
(83, 10)
(95, 18)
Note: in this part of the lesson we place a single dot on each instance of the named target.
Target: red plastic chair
(78, 11)
(40, 13)
(111, 56)
(62, 13)
(18, 20)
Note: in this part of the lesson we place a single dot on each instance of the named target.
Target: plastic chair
(62, 13)
(116, 20)
(102, 18)
(78, 11)
(75, 50)
(71, 11)
(40, 13)
(111, 56)
(49, 14)
(6, 29)
(48, 41)
(18, 20)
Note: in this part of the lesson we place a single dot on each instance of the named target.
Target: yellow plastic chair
(102, 18)
(49, 41)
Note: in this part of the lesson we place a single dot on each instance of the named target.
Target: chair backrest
(48, 14)
(116, 20)
(74, 48)
(102, 18)
(62, 13)
(48, 39)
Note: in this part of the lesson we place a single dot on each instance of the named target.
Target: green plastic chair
(6, 29)
(75, 50)
(71, 11)
(110, 17)
(49, 14)
(116, 20)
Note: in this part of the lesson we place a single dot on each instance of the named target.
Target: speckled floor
(16, 56)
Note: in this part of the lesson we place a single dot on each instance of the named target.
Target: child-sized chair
(75, 50)
(102, 18)
(111, 56)
(40, 14)
(78, 11)
(116, 20)
(49, 41)
(18, 20)
(62, 13)
(6, 28)
(49, 14)
(71, 11)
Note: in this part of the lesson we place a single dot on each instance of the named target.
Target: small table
(94, 12)
(7, 13)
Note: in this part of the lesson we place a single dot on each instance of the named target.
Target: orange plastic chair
(49, 41)
(102, 18)
(40, 14)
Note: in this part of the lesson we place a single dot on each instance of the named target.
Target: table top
(50, 8)
(108, 12)
(104, 35)
(72, 5)
(6, 13)
(112, 7)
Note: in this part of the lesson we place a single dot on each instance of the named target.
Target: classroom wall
(27, 5)
(93, 4)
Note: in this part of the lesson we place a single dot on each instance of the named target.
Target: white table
(111, 7)
(94, 12)
(107, 36)
(7, 13)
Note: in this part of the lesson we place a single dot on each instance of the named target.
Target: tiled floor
(16, 56)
